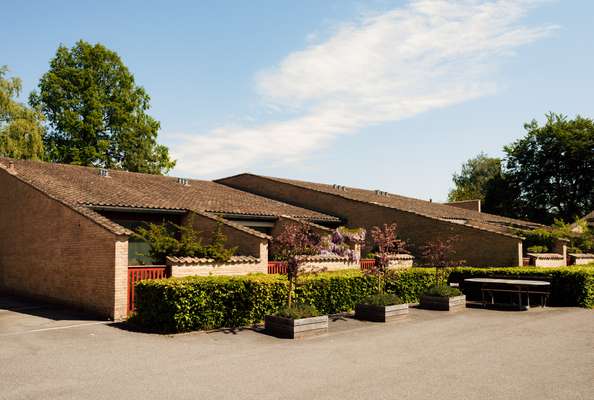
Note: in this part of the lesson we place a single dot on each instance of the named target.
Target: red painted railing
(140, 273)
(277, 267)
(367, 264)
(280, 267)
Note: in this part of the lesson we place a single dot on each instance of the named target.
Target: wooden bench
(520, 287)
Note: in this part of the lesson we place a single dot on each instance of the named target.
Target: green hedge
(215, 302)
(176, 305)
(570, 286)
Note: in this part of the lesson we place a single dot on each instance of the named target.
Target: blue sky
(391, 95)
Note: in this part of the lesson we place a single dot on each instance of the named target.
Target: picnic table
(519, 286)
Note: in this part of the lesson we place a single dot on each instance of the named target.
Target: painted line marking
(56, 328)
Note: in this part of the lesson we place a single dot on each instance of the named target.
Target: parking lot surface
(48, 352)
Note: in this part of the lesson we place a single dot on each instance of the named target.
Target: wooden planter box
(295, 328)
(455, 303)
(369, 312)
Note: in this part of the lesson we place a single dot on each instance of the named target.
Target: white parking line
(25, 308)
(56, 328)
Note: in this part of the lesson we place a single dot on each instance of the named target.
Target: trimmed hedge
(570, 286)
(177, 305)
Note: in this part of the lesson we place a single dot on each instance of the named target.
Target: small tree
(386, 241)
(440, 254)
(294, 242)
(163, 243)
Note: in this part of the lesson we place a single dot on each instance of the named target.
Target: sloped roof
(83, 188)
(479, 220)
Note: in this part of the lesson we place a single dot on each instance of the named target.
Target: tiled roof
(82, 188)
(475, 219)
(582, 255)
(546, 256)
(201, 260)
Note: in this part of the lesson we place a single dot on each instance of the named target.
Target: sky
(379, 94)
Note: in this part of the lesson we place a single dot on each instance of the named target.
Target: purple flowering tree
(345, 242)
(387, 243)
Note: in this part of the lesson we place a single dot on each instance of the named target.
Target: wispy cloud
(385, 67)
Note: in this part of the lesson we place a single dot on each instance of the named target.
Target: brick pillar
(121, 278)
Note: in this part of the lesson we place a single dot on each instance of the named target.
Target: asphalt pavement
(48, 352)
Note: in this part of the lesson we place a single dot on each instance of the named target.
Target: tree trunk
(290, 297)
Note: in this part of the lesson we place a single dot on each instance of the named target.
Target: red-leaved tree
(294, 242)
(387, 243)
(440, 254)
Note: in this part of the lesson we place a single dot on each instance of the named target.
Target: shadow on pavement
(42, 309)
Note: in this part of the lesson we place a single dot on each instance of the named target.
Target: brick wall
(179, 270)
(476, 247)
(50, 251)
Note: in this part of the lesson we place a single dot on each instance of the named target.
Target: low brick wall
(547, 260)
(400, 261)
(327, 263)
(191, 266)
(580, 258)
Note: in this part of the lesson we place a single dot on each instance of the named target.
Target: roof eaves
(308, 223)
(231, 224)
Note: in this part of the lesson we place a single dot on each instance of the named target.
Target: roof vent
(381, 193)
(103, 172)
(183, 181)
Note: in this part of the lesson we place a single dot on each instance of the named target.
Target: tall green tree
(473, 180)
(97, 114)
(21, 129)
(552, 169)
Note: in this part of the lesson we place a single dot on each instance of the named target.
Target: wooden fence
(139, 273)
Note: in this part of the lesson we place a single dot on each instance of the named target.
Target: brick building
(66, 231)
(484, 239)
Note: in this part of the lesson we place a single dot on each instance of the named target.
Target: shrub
(297, 311)
(382, 299)
(163, 242)
(539, 237)
(214, 302)
(537, 249)
(570, 286)
(443, 291)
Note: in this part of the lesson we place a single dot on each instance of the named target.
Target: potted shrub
(443, 298)
(296, 320)
(440, 254)
(382, 307)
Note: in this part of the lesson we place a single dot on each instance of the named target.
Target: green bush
(537, 249)
(539, 237)
(214, 302)
(442, 291)
(163, 242)
(570, 286)
(297, 311)
(382, 299)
